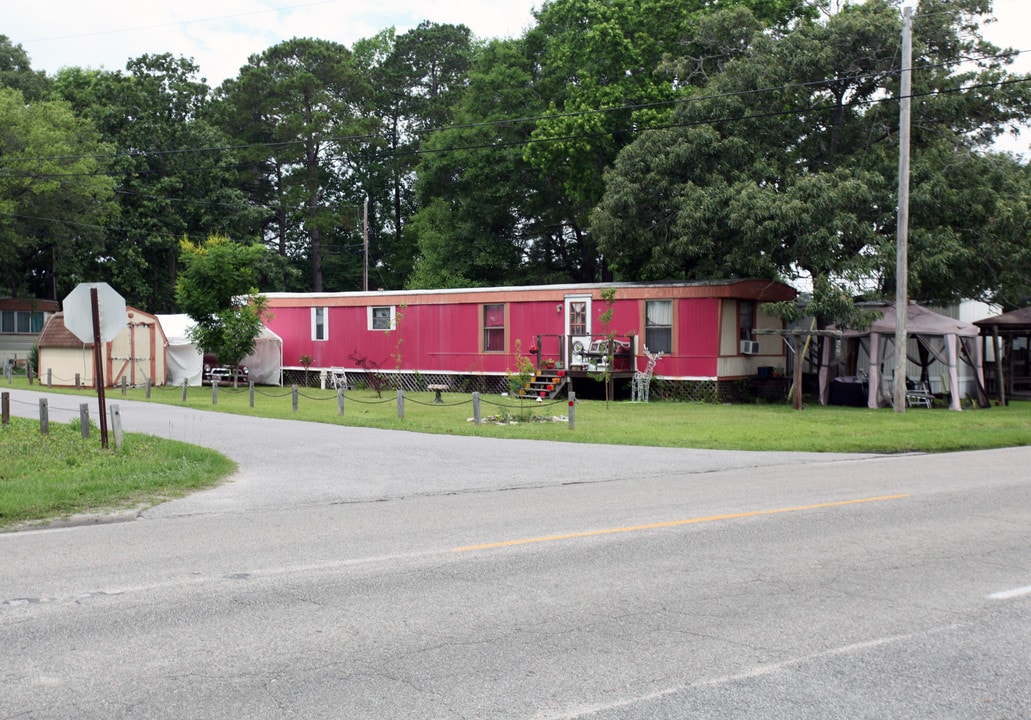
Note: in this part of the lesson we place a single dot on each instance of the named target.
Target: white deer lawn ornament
(643, 380)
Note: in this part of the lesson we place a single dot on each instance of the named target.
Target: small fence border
(342, 398)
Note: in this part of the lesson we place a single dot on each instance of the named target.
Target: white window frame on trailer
(375, 321)
(320, 324)
(658, 321)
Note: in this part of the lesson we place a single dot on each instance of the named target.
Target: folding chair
(919, 394)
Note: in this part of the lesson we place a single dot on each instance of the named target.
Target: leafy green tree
(16, 71)
(786, 164)
(480, 202)
(417, 80)
(175, 174)
(585, 80)
(302, 108)
(215, 287)
(54, 197)
(600, 63)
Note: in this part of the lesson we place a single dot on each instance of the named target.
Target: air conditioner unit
(749, 347)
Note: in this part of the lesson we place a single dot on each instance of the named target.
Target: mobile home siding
(442, 331)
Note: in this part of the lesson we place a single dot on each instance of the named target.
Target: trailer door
(578, 326)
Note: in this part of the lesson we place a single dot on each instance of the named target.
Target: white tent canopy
(184, 361)
(938, 338)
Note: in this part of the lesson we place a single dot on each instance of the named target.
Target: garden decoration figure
(642, 380)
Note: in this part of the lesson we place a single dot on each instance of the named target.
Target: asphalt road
(349, 573)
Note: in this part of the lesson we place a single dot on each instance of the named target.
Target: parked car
(214, 373)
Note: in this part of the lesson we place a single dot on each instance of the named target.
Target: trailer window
(320, 323)
(746, 319)
(577, 318)
(381, 318)
(494, 328)
(21, 321)
(658, 326)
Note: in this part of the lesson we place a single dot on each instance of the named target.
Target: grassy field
(62, 475)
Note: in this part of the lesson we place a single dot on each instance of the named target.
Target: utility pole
(902, 232)
(365, 245)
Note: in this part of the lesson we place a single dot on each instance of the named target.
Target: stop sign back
(78, 312)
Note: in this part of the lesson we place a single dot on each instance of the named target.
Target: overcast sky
(220, 36)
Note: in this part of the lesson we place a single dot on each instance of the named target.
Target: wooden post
(572, 410)
(28, 371)
(50, 377)
(295, 399)
(5, 408)
(796, 396)
(340, 401)
(124, 385)
(793, 337)
(84, 420)
(902, 230)
(44, 417)
(116, 425)
(251, 387)
(214, 392)
(476, 408)
(401, 404)
(185, 383)
(998, 366)
(1010, 367)
(98, 367)
(147, 386)
(365, 245)
(78, 382)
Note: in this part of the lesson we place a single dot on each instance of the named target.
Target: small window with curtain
(493, 328)
(658, 326)
(577, 318)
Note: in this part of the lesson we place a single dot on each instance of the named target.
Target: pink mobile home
(704, 329)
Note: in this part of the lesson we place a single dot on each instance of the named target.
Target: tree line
(613, 140)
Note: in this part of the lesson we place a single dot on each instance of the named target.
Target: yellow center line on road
(673, 523)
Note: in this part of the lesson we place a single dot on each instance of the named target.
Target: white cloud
(220, 37)
(1011, 31)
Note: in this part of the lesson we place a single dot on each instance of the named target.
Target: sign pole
(98, 366)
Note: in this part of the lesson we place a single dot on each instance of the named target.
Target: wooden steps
(545, 385)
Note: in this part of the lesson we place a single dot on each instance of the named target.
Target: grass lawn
(773, 426)
(61, 474)
(43, 477)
